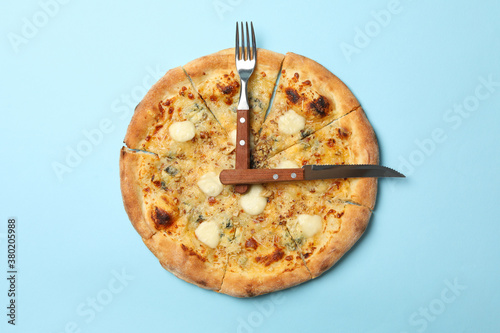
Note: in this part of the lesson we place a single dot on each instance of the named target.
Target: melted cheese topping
(253, 203)
(210, 184)
(291, 123)
(208, 233)
(309, 224)
(182, 131)
(286, 164)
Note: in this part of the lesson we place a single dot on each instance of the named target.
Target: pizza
(277, 235)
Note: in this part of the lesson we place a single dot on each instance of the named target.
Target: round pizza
(277, 235)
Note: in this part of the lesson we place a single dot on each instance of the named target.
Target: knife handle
(259, 176)
(242, 146)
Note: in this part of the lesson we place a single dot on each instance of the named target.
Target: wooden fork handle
(260, 176)
(242, 145)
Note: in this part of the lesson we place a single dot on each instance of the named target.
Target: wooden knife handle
(259, 176)
(242, 145)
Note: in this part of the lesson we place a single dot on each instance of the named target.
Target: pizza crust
(132, 194)
(183, 263)
(224, 61)
(242, 285)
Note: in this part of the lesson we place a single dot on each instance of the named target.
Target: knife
(307, 172)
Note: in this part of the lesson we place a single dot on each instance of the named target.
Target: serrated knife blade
(348, 171)
(307, 172)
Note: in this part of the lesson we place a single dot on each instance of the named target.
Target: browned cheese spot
(251, 244)
(229, 89)
(162, 109)
(319, 106)
(157, 128)
(342, 133)
(268, 259)
(161, 218)
(292, 95)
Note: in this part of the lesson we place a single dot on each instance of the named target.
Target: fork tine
(243, 56)
(237, 45)
(249, 55)
(254, 44)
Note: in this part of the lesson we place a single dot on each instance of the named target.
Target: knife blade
(307, 172)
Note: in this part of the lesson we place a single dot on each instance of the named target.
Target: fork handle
(242, 145)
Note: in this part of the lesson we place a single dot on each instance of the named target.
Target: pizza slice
(198, 251)
(308, 98)
(216, 80)
(265, 257)
(188, 226)
(348, 140)
(173, 121)
(325, 229)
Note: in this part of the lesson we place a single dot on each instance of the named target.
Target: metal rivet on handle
(275, 176)
(294, 175)
(242, 142)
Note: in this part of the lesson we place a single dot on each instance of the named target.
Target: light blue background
(438, 226)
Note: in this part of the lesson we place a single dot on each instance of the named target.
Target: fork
(245, 59)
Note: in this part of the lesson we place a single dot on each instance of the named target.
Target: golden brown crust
(224, 61)
(354, 223)
(243, 285)
(148, 111)
(183, 263)
(132, 195)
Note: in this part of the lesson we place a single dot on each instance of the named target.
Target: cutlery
(245, 58)
(307, 172)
